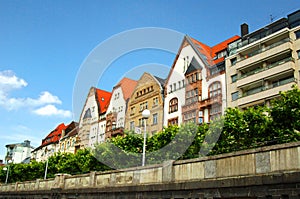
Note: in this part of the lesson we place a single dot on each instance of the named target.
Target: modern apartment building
(263, 63)
(19, 152)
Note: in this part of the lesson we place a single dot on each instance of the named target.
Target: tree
(285, 113)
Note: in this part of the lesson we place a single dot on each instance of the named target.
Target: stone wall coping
(239, 153)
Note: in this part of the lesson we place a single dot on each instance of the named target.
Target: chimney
(244, 29)
(63, 133)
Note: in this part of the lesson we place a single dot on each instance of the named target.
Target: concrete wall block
(152, 175)
(190, 171)
(235, 166)
(103, 180)
(210, 169)
(124, 178)
(262, 162)
(285, 159)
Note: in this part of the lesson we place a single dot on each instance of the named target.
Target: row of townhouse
(62, 139)
(242, 71)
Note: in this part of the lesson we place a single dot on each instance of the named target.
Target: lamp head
(146, 113)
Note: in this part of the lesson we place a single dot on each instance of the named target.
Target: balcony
(262, 53)
(262, 73)
(117, 131)
(209, 101)
(266, 92)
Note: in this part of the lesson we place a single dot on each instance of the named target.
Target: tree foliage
(236, 130)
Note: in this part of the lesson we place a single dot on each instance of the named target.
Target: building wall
(176, 76)
(263, 68)
(88, 127)
(118, 105)
(43, 153)
(147, 91)
(67, 144)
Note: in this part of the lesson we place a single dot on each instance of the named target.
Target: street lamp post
(145, 114)
(47, 162)
(7, 170)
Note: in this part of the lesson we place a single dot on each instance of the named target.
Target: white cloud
(51, 110)
(9, 81)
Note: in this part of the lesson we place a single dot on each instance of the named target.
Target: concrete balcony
(262, 54)
(266, 93)
(267, 72)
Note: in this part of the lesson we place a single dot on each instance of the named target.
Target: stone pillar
(167, 171)
(92, 182)
(59, 181)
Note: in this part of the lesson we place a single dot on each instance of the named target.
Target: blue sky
(43, 44)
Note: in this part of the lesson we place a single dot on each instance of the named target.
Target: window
(233, 61)
(297, 33)
(141, 122)
(215, 89)
(155, 117)
(173, 105)
(132, 125)
(298, 53)
(191, 96)
(132, 110)
(190, 117)
(171, 89)
(179, 84)
(221, 54)
(173, 121)
(233, 78)
(155, 101)
(234, 96)
(215, 111)
(174, 86)
(143, 106)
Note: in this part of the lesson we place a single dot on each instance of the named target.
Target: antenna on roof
(271, 18)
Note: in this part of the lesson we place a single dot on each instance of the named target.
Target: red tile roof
(127, 86)
(211, 52)
(103, 99)
(54, 136)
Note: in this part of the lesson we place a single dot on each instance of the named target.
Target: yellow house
(148, 94)
(69, 138)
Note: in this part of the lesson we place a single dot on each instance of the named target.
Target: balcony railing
(264, 49)
(263, 88)
(258, 70)
(211, 100)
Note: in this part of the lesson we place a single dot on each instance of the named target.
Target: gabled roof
(211, 52)
(160, 80)
(127, 85)
(205, 53)
(54, 135)
(71, 130)
(194, 65)
(103, 99)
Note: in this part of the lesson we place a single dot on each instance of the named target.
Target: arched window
(173, 105)
(215, 89)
